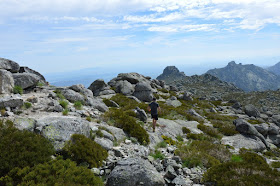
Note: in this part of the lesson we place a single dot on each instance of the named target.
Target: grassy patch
(157, 155)
(210, 131)
(185, 130)
(78, 105)
(168, 140)
(27, 105)
(254, 121)
(64, 103)
(18, 90)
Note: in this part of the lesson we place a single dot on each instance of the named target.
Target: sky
(53, 36)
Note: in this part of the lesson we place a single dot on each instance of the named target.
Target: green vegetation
(18, 90)
(202, 153)
(157, 155)
(236, 158)
(108, 103)
(78, 105)
(199, 137)
(161, 144)
(64, 103)
(185, 130)
(59, 94)
(179, 138)
(2, 111)
(253, 170)
(123, 120)
(163, 90)
(88, 118)
(55, 172)
(275, 164)
(223, 123)
(21, 148)
(126, 103)
(83, 150)
(27, 105)
(168, 140)
(210, 131)
(40, 84)
(254, 121)
(99, 133)
(65, 112)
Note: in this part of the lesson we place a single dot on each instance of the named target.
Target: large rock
(26, 80)
(132, 78)
(143, 91)
(99, 87)
(246, 128)
(9, 65)
(124, 87)
(262, 128)
(59, 129)
(6, 82)
(98, 104)
(31, 71)
(25, 123)
(12, 101)
(251, 110)
(239, 141)
(173, 102)
(276, 119)
(72, 96)
(81, 89)
(105, 143)
(141, 114)
(134, 171)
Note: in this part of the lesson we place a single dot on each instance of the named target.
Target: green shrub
(78, 105)
(108, 103)
(82, 149)
(158, 155)
(99, 133)
(253, 170)
(63, 103)
(200, 137)
(124, 102)
(65, 112)
(185, 130)
(40, 84)
(2, 111)
(236, 158)
(225, 128)
(55, 172)
(168, 140)
(202, 153)
(27, 105)
(275, 164)
(88, 118)
(59, 94)
(156, 95)
(161, 144)
(179, 138)
(18, 90)
(21, 148)
(128, 123)
(210, 131)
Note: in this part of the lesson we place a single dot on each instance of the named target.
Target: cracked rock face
(135, 171)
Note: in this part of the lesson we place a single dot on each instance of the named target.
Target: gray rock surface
(251, 110)
(26, 80)
(173, 103)
(141, 114)
(262, 128)
(6, 82)
(31, 71)
(105, 143)
(246, 128)
(99, 87)
(12, 101)
(134, 171)
(59, 129)
(276, 119)
(143, 91)
(124, 87)
(25, 123)
(72, 96)
(9, 65)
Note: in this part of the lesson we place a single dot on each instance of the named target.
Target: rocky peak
(275, 69)
(171, 73)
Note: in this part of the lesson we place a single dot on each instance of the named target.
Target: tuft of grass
(78, 105)
(161, 144)
(99, 133)
(275, 164)
(63, 103)
(88, 118)
(236, 158)
(254, 121)
(65, 112)
(59, 94)
(2, 111)
(185, 130)
(179, 138)
(27, 105)
(210, 131)
(168, 140)
(157, 155)
(18, 90)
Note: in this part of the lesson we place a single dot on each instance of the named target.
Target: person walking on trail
(154, 108)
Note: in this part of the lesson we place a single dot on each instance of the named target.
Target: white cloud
(153, 18)
(66, 40)
(183, 28)
(60, 19)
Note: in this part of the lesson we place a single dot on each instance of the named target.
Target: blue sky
(64, 35)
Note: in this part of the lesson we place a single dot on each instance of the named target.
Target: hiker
(154, 108)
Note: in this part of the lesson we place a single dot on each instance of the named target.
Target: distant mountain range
(275, 69)
(248, 77)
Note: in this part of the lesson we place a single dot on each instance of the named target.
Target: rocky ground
(54, 113)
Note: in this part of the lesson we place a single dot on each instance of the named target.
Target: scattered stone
(143, 91)
(124, 87)
(141, 114)
(170, 172)
(99, 87)
(251, 110)
(11, 101)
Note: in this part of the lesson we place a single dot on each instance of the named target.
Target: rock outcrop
(6, 82)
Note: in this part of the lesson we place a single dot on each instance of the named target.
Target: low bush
(185, 130)
(18, 90)
(83, 150)
(202, 153)
(200, 137)
(99, 133)
(161, 144)
(179, 138)
(253, 170)
(122, 120)
(108, 103)
(210, 131)
(163, 90)
(254, 121)
(21, 148)
(78, 105)
(65, 112)
(157, 155)
(59, 94)
(275, 164)
(27, 105)
(55, 172)
(63, 103)
(168, 140)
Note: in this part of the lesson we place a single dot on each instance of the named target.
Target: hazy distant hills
(275, 69)
(247, 77)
